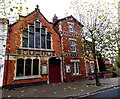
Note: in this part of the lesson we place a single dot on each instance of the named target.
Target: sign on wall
(68, 70)
(44, 69)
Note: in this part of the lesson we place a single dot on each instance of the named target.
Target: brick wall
(66, 35)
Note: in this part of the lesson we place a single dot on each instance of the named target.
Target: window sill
(45, 74)
(71, 31)
(39, 49)
(27, 77)
(73, 51)
(77, 74)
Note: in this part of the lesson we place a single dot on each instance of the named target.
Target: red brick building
(70, 30)
(41, 52)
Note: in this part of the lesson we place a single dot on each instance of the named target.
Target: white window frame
(71, 27)
(76, 67)
(30, 76)
(92, 66)
(73, 45)
(40, 37)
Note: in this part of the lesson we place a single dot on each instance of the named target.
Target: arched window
(36, 37)
(20, 67)
(73, 45)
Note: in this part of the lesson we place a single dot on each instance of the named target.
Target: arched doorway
(54, 70)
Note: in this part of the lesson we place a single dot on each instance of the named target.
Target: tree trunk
(95, 63)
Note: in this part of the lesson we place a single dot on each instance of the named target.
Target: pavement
(80, 88)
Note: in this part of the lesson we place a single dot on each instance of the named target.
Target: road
(109, 94)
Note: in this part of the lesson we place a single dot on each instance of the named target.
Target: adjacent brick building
(40, 52)
(70, 30)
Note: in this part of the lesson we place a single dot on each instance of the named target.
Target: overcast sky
(49, 7)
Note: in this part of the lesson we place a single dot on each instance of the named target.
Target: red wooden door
(54, 71)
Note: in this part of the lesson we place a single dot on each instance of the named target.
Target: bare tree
(99, 20)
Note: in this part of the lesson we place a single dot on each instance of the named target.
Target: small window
(73, 45)
(71, 27)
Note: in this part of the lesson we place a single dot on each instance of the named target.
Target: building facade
(41, 52)
(3, 35)
(33, 51)
(70, 30)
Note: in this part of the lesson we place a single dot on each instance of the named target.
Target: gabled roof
(65, 18)
(36, 10)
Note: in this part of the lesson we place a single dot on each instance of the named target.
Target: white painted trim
(72, 39)
(48, 71)
(27, 77)
(86, 66)
(76, 74)
(70, 23)
(74, 60)
(61, 69)
(92, 67)
(91, 61)
(60, 27)
(39, 68)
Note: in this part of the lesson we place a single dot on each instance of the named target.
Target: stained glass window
(36, 37)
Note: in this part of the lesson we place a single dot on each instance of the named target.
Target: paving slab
(61, 90)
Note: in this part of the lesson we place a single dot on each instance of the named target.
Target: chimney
(55, 18)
